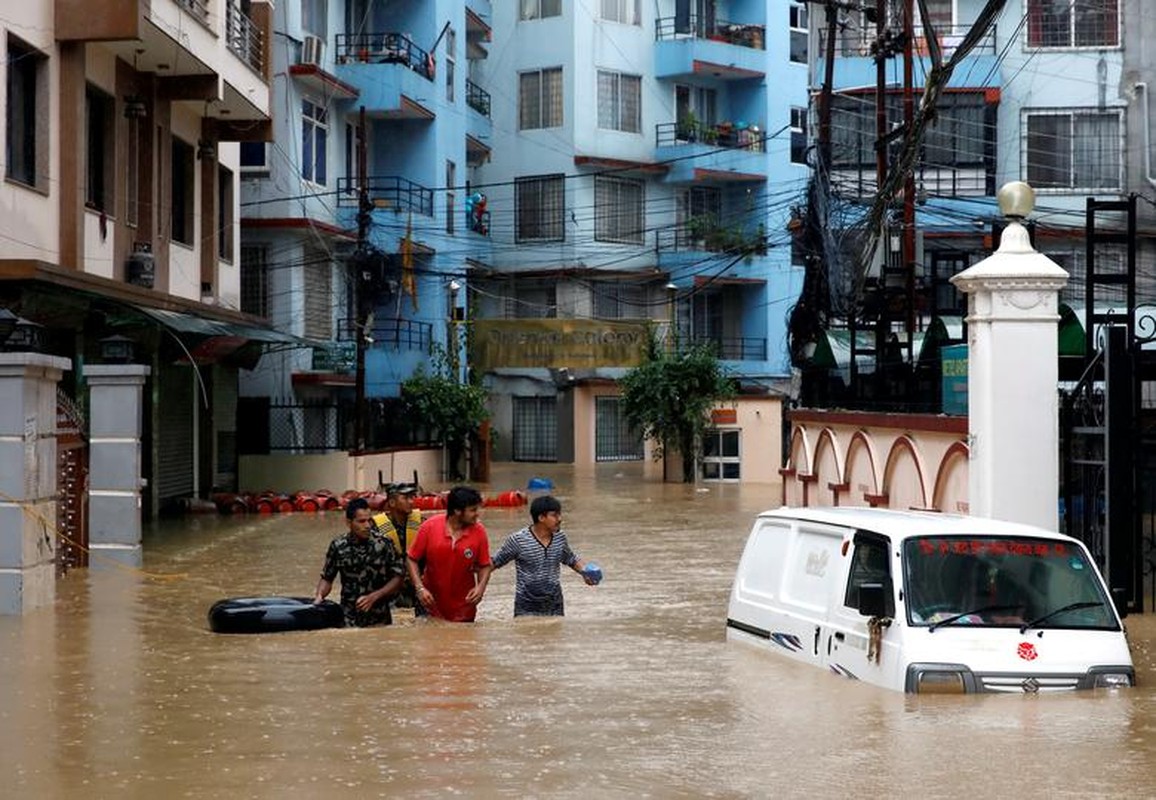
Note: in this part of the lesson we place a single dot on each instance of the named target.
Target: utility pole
(909, 182)
(362, 303)
(827, 90)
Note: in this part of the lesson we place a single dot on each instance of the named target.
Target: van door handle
(816, 640)
(839, 636)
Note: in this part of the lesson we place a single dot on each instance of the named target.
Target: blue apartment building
(409, 70)
(647, 158)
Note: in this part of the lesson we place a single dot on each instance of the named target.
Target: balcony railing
(719, 240)
(858, 41)
(477, 98)
(720, 134)
(388, 191)
(729, 348)
(244, 38)
(399, 334)
(696, 27)
(384, 48)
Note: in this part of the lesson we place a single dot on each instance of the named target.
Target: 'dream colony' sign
(572, 343)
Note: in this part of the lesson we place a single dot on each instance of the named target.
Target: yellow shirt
(384, 524)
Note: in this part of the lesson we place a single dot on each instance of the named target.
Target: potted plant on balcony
(687, 128)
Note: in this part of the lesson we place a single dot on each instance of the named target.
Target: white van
(925, 602)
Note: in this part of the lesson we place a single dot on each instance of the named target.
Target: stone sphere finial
(1016, 199)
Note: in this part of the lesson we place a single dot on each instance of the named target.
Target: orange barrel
(306, 502)
(327, 501)
(376, 502)
(230, 504)
(265, 504)
(284, 503)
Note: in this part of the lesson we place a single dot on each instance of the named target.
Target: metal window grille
(1073, 23)
(618, 300)
(540, 99)
(318, 316)
(255, 279)
(1073, 149)
(535, 429)
(619, 210)
(619, 102)
(540, 207)
(614, 439)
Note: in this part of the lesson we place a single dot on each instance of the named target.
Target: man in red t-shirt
(455, 550)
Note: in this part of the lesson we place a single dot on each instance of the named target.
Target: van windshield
(997, 581)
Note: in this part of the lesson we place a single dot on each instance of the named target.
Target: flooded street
(121, 690)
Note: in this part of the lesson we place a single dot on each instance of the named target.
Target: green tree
(669, 396)
(451, 410)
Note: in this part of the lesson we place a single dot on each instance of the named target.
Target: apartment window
(318, 294)
(614, 439)
(540, 99)
(703, 204)
(535, 429)
(619, 102)
(539, 9)
(619, 213)
(1073, 23)
(798, 135)
(255, 279)
(314, 130)
(451, 180)
(182, 192)
(720, 455)
(530, 300)
(618, 300)
(628, 12)
(800, 25)
(451, 55)
(132, 172)
(1073, 150)
(100, 159)
(26, 151)
(254, 157)
(315, 18)
(539, 206)
(224, 214)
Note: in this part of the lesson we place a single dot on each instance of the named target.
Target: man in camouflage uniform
(399, 523)
(370, 569)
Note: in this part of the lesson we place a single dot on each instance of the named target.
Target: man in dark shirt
(370, 569)
(399, 523)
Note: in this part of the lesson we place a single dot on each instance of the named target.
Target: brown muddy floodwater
(121, 691)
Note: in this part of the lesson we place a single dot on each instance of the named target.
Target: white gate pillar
(114, 476)
(1012, 391)
(28, 480)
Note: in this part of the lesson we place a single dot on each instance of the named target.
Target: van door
(849, 649)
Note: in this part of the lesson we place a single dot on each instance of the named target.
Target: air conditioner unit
(312, 50)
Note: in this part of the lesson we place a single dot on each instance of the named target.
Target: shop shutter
(174, 433)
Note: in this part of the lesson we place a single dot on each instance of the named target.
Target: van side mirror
(873, 599)
(1120, 601)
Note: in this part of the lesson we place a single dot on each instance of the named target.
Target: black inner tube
(273, 615)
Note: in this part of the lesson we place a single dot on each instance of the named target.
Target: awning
(202, 326)
(210, 341)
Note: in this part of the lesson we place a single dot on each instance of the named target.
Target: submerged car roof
(901, 524)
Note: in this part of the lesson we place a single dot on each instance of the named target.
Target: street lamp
(26, 337)
(117, 349)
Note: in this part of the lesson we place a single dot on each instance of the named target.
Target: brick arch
(901, 446)
(947, 466)
(800, 442)
(797, 473)
(828, 480)
(861, 442)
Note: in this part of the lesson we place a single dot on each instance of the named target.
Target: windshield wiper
(980, 610)
(1060, 610)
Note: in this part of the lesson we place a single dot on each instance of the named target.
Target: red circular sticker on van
(1027, 651)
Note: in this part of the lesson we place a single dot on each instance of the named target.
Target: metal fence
(477, 98)
(384, 48)
(387, 191)
(245, 40)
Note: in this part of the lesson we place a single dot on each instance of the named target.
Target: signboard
(338, 357)
(572, 343)
(954, 379)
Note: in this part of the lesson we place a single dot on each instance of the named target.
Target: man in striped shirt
(538, 551)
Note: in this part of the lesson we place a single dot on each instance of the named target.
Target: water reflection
(121, 691)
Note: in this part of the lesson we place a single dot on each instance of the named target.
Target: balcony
(387, 191)
(729, 348)
(396, 334)
(243, 37)
(477, 98)
(718, 153)
(384, 48)
(388, 71)
(709, 48)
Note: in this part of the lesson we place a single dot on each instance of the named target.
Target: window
(540, 99)
(535, 429)
(254, 157)
(619, 210)
(101, 152)
(315, 18)
(539, 9)
(619, 102)
(451, 180)
(628, 12)
(1073, 150)
(318, 316)
(224, 213)
(703, 204)
(314, 128)
(614, 440)
(720, 455)
(350, 156)
(869, 565)
(532, 300)
(451, 50)
(800, 25)
(619, 300)
(255, 279)
(182, 197)
(1073, 23)
(798, 135)
(26, 142)
(132, 172)
(539, 206)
